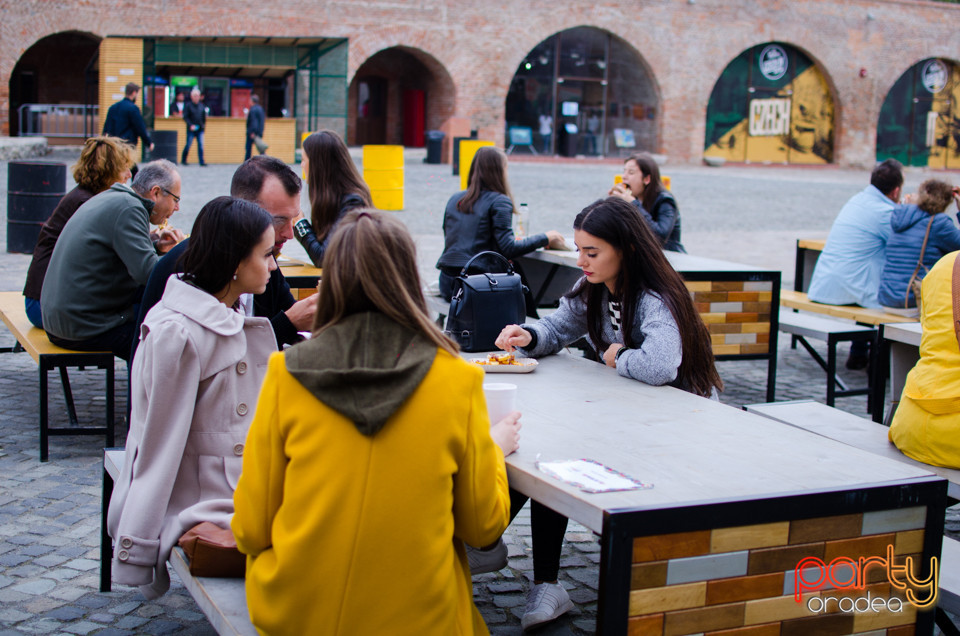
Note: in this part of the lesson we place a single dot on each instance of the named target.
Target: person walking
(195, 115)
(256, 119)
(125, 121)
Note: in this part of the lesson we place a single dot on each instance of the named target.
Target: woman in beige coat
(194, 387)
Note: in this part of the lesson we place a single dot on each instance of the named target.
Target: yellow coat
(926, 426)
(350, 534)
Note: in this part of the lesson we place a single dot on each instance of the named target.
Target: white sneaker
(483, 561)
(545, 602)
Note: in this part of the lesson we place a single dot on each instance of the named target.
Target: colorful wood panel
(743, 580)
(737, 314)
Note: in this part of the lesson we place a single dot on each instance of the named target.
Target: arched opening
(583, 91)
(919, 123)
(771, 104)
(396, 96)
(60, 69)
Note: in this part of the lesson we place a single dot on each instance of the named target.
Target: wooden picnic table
(300, 275)
(738, 302)
(734, 496)
(808, 251)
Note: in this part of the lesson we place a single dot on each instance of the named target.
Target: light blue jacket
(848, 270)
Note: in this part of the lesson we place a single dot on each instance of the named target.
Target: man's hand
(302, 312)
(168, 238)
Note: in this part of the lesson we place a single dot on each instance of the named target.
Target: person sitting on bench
(848, 269)
(194, 387)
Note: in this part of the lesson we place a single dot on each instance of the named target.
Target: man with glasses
(271, 184)
(104, 256)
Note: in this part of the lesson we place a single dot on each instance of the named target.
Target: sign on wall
(769, 117)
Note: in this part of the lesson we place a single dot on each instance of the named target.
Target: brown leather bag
(915, 284)
(212, 551)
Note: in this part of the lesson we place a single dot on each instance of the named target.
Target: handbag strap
(923, 249)
(955, 284)
(496, 255)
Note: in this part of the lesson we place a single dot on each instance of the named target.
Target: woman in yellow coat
(926, 426)
(370, 460)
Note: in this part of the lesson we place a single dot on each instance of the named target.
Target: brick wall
(479, 45)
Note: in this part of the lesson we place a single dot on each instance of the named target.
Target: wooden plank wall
(224, 138)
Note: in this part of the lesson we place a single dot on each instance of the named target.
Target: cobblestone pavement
(50, 513)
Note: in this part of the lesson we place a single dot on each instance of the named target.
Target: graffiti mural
(919, 122)
(771, 104)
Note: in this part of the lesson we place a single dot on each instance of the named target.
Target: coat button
(238, 449)
(123, 555)
(241, 367)
(241, 409)
(126, 542)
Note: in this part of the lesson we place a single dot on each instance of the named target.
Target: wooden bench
(860, 433)
(831, 331)
(223, 601)
(861, 315)
(48, 357)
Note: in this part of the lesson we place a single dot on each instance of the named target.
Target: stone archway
(396, 95)
(57, 69)
(592, 89)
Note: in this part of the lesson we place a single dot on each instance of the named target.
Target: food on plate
(494, 359)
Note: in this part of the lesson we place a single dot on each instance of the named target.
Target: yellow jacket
(926, 426)
(353, 534)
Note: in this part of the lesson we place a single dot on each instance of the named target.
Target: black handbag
(483, 304)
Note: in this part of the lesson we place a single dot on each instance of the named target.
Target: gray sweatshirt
(655, 360)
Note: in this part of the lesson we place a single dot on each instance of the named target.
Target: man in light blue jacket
(848, 270)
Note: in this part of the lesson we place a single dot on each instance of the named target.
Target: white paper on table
(590, 476)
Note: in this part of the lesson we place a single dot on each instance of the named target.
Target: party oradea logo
(846, 576)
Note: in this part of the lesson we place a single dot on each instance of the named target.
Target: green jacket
(98, 266)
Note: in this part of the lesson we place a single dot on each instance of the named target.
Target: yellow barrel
(665, 180)
(383, 172)
(468, 148)
(303, 138)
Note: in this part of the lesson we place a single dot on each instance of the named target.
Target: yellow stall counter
(224, 138)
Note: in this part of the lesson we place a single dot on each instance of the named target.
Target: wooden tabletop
(811, 244)
(299, 273)
(692, 449)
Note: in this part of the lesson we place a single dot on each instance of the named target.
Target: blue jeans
(186, 149)
(33, 311)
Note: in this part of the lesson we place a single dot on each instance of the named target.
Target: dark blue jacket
(909, 225)
(195, 115)
(255, 120)
(125, 121)
(664, 220)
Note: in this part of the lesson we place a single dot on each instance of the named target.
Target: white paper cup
(501, 400)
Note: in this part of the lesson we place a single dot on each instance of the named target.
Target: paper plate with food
(505, 363)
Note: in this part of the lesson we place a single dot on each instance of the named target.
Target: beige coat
(194, 386)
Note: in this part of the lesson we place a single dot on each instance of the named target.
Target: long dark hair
(371, 265)
(648, 168)
(488, 171)
(332, 175)
(225, 232)
(644, 268)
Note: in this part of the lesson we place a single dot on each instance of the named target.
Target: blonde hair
(371, 265)
(102, 163)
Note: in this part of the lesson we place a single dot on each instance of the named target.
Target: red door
(414, 118)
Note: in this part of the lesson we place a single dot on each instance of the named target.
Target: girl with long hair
(335, 187)
(481, 219)
(103, 161)
(371, 459)
(635, 311)
(194, 386)
(642, 188)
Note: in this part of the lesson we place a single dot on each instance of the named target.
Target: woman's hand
(513, 336)
(506, 433)
(556, 240)
(621, 191)
(610, 355)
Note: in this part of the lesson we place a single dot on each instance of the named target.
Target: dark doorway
(371, 111)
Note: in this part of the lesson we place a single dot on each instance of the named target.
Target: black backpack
(483, 304)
